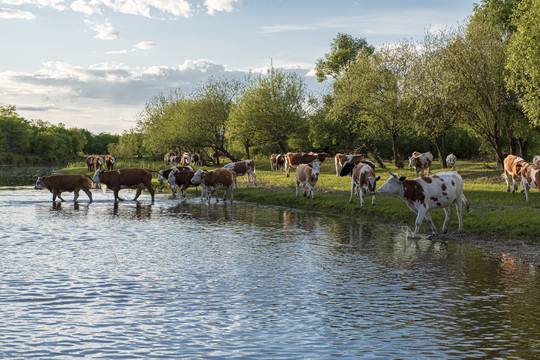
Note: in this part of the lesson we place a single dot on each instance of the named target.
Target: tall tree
(15, 131)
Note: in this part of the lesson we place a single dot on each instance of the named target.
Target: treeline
(39, 142)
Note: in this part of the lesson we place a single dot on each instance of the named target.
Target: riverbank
(498, 220)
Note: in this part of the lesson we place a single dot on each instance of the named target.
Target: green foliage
(98, 144)
(129, 145)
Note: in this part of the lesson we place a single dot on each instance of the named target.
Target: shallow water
(190, 280)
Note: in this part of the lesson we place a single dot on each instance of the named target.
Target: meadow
(494, 213)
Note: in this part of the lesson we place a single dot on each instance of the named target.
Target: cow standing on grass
(241, 168)
(451, 161)
(307, 174)
(363, 180)
(98, 162)
(295, 159)
(421, 162)
(90, 162)
(424, 194)
(57, 184)
(530, 178)
(512, 167)
(277, 161)
(109, 162)
(126, 178)
(341, 159)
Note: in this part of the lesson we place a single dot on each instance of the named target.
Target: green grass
(495, 214)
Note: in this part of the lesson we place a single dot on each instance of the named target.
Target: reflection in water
(184, 279)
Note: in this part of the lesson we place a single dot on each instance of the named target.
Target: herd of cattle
(421, 194)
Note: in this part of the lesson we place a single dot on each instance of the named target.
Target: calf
(242, 168)
(421, 162)
(530, 178)
(277, 161)
(295, 159)
(163, 175)
(109, 162)
(90, 162)
(536, 161)
(98, 161)
(307, 174)
(512, 167)
(342, 159)
(126, 178)
(427, 193)
(216, 179)
(363, 179)
(499, 161)
(451, 161)
(182, 179)
(57, 184)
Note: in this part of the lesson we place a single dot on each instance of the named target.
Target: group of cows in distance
(421, 194)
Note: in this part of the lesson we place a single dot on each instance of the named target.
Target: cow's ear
(377, 178)
(402, 178)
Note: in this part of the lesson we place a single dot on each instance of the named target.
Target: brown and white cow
(167, 158)
(295, 159)
(98, 162)
(109, 162)
(341, 159)
(196, 159)
(421, 162)
(116, 180)
(498, 161)
(512, 167)
(424, 194)
(182, 179)
(90, 162)
(57, 184)
(213, 180)
(530, 178)
(451, 161)
(216, 155)
(363, 180)
(163, 175)
(185, 159)
(307, 174)
(277, 161)
(536, 161)
(241, 168)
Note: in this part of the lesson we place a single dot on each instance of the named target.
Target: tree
(524, 58)
(343, 52)
(15, 131)
(129, 144)
(273, 108)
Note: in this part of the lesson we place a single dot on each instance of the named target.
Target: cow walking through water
(216, 179)
(116, 180)
(424, 194)
(57, 184)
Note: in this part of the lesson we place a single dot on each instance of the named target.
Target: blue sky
(94, 63)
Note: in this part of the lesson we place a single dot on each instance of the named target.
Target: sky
(94, 64)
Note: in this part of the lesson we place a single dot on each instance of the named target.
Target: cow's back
(127, 176)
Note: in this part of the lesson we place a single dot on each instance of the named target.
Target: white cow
(451, 161)
(426, 193)
(307, 174)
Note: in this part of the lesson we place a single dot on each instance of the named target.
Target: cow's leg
(420, 216)
(448, 214)
(507, 182)
(60, 196)
(75, 195)
(232, 194)
(138, 193)
(148, 186)
(361, 195)
(305, 188)
(254, 177)
(88, 193)
(352, 191)
(337, 171)
(312, 190)
(430, 220)
(459, 206)
(116, 196)
(514, 183)
(297, 186)
(525, 188)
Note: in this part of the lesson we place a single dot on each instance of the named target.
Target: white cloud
(16, 14)
(104, 31)
(283, 28)
(55, 4)
(219, 5)
(145, 45)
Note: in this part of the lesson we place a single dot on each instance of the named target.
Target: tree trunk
(397, 161)
(246, 146)
(375, 155)
(441, 149)
(350, 143)
(523, 148)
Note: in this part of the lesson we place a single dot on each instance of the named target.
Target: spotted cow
(512, 167)
(530, 178)
(276, 162)
(241, 168)
(307, 174)
(295, 159)
(424, 194)
(420, 162)
(363, 179)
(341, 159)
(213, 180)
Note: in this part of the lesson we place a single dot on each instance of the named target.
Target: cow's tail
(88, 176)
(464, 200)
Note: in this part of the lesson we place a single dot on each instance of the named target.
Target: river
(191, 280)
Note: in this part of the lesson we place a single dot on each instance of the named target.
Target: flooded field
(190, 280)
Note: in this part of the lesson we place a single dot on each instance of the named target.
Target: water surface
(190, 280)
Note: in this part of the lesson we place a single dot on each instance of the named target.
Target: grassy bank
(494, 213)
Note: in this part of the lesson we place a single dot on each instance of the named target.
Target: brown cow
(163, 175)
(90, 162)
(342, 159)
(98, 161)
(109, 161)
(126, 178)
(216, 179)
(196, 159)
(57, 184)
(498, 161)
(276, 162)
(182, 179)
(307, 174)
(530, 178)
(512, 167)
(295, 159)
(185, 159)
(363, 179)
(242, 168)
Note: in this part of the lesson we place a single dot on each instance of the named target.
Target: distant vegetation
(473, 90)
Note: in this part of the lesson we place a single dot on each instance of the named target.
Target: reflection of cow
(98, 161)
(126, 178)
(90, 162)
(109, 162)
(295, 159)
(57, 184)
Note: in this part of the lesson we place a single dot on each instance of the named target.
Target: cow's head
(392, 186)
(97, 176)
(412, 161)
(372, 184)
(39, 183)
(347, 169)
(198, 177)
(316, 166)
